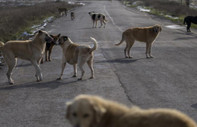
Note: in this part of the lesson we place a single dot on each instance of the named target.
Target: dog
(97, 16)
(72, 15)
(77, 54)
(49, 47)
(188, 20)
(31, 50)
(94, 111)
(142, 34)
(62, 11)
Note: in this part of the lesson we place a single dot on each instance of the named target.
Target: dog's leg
(147, 49)
(90, 64)
(188, 27)
(39, 76)
(81, 62)
(11, 62)
(93, 24)
(130, 44)
(63, 67)
(101, 23)
(75, 70)
(49, 55)
(125, 51)
(149, 52)
(46, 55)
(104, 23)
(96, 24)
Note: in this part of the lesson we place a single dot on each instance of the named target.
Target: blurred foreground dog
(77, 54)
(31, 50)
(189, 20)
(49, 47)
(97, 16)
(142, 34)
(93, 111)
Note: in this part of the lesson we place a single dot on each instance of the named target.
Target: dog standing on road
(77, 54)
(62, 11)
(189, 20)
(97, 16)
(142, 34)
(49, 47)
(93, 111)
(31, 50)
(72, 15)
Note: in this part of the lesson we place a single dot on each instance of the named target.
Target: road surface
(168, 80)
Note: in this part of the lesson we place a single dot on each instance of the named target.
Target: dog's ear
(99, 112)
(51, 35)
(68, 107)
(59, 35)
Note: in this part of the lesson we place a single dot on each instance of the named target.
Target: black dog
(188, 20)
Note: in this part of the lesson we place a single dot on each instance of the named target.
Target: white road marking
(112, 20)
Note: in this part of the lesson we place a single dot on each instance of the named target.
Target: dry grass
(14, 20)
(171, 7)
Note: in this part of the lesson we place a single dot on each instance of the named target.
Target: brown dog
(93, 111)
(49, 47)
(31, 50)
(77, 54)
(142, 34)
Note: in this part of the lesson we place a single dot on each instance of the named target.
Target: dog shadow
(120, 60)
(194, 106)
(48, 84)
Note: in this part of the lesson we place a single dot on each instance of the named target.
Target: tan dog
(77, 54)
(142, 34)
(93, 111)
(31, 50)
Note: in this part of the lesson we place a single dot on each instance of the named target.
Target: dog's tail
(95, 44)
(1, 45)
(122, 40)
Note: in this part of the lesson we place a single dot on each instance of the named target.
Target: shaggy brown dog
(93, 111)
(31, 50)
(77, 54)
(142, 34)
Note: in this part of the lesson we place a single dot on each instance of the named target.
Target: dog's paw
(74, 76)
(11, 82)
(92, 77)
(58, 78)
(79, 79)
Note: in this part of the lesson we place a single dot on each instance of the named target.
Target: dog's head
(91, 12)
(156, 28)
(84, 111)
(44, 36)
(63, 40)
(55, 39)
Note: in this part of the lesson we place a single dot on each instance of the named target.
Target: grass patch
(167, 9)
(16, 20)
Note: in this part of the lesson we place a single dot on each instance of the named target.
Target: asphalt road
(168, 80)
